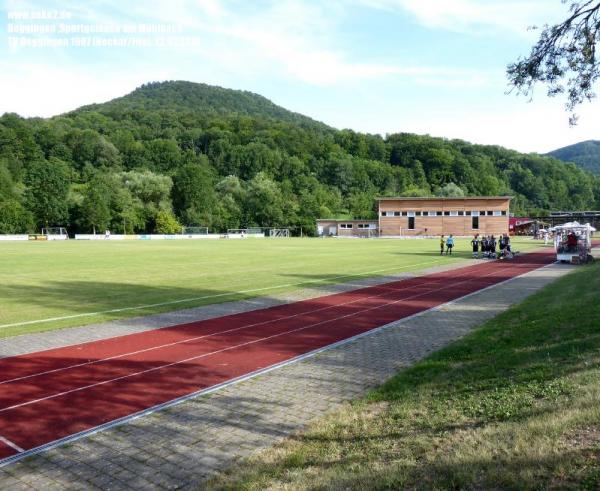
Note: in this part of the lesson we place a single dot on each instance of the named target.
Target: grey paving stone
(180, 447)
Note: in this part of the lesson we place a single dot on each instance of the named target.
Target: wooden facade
(400, 217)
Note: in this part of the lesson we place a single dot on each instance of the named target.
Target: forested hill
(184, 96)
(182, 153)
(585, 154)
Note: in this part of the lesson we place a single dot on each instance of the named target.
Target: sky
(379, 66)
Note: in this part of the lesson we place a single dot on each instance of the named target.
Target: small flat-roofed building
(484, 215)
(347, 228)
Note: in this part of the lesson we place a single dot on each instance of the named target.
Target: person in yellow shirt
(442, 244)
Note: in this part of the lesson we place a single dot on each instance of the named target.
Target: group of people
(488, 246)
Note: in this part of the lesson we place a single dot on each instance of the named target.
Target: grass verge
(514, 405)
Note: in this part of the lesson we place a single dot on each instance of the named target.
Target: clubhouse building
(427, 217)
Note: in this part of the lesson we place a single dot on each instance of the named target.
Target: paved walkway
(181, 446)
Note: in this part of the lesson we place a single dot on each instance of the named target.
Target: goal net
(194, 230)
(55, 233)
(279, 232)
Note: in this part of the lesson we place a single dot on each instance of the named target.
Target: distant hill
(585, 154)
(183, 153)
(196, 97)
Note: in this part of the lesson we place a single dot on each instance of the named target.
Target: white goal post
(278, 232)
(194, 230)
(55, 233)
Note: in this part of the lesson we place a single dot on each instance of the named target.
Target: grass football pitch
(51, 285)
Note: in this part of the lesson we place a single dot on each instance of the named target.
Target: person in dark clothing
(493, 247)
(507, 242)
(475, 243)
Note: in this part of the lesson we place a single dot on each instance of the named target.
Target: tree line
(154, 161)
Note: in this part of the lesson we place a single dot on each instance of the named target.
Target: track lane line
(240, 328)
(11, 444)
(208, 390)
(228, 348)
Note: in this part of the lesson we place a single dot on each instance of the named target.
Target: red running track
(51, 395)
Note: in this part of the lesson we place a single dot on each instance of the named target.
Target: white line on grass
(247, 343)
(206, 297)
(227, 331)
(12, 445)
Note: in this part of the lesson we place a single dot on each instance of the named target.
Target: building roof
(438, 198)
(346, 220)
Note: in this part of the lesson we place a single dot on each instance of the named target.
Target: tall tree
(46, 195)
(193, 193)
(96, 204)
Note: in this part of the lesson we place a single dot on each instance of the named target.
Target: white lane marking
(206, 297)
(247, 343)
(12, 445)
(214, 388)
(227, 331)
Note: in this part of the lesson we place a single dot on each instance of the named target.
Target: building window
(439, 213)
(503, 213)
(475, 213)
(468, 213)
(482, 213)
(454, 213)
(404, 213)
(365, 225)
(411, 213)
(411, 223)
(461, 213)
(446, 213)
(345, 225)
(418, 213)
(396, 213)
(475, 222)
(490, 213)
(497, 213)
(431, 213)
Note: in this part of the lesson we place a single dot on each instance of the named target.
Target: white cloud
(479, 15)
(290, 38)
(41, 89)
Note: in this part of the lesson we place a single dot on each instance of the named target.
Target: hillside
(195, 97)
(184, 153)
(585, 154)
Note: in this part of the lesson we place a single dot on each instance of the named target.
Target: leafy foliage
(228, 159)
(564, 58)
(166, 223)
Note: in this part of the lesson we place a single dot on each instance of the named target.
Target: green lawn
(46, 280)
(515, 405)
